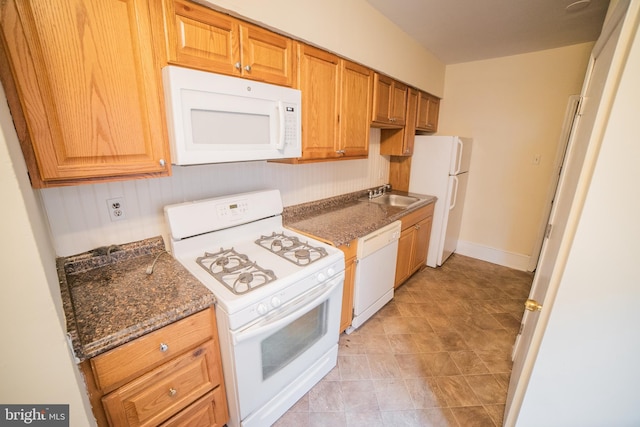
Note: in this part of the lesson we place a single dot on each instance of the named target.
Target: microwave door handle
(289, 315)
(281, 131)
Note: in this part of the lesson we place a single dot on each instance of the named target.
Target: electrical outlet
(116, 207)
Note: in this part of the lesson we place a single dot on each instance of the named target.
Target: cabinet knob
(163, 347)
(248, 68)
(417, 227)
(162, 162)
(341, 152)
(237, 65)
(172, 392)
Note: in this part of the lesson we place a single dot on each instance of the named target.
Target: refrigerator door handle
(459, 159)
(454, 196)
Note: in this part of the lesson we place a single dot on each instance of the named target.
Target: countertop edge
(293, 215)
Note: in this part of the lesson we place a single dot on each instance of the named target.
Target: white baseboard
(492, 255)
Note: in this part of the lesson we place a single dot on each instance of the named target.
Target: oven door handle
(292, 311)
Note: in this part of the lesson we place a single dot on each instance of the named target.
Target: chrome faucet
(380, 191)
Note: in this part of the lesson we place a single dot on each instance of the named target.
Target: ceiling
(468, 30)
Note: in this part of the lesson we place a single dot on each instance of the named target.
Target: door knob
(532, 305)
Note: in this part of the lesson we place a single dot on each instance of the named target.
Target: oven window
(292, 340)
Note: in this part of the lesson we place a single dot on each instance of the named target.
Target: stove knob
(275, 302)
(262, 309)
(331, 271)
(321, 277)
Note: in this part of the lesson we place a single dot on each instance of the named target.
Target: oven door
(277, 350)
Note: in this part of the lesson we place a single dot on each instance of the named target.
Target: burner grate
(291, 248)
(235, 270)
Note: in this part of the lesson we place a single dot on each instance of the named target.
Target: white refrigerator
(440, 167)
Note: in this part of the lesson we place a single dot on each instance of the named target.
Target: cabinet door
(404, 262)
(89, 88)
(399, 142)
(355, 106)
(382, 94)
(267, 56)
(201, 38)
(318, 79)
(398, 110)
(421, 243)
(428, 110)
(389, 102)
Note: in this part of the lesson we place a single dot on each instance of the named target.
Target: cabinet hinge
(580, 108)
(547, 232)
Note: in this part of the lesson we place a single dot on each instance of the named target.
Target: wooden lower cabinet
(203, 413)
(172, 376)
(414, 243)
(350, 251)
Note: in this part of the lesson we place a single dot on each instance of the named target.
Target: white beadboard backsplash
(80, 221)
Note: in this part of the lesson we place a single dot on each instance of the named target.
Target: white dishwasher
(375, 272)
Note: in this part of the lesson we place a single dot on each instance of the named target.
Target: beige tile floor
(438, 354)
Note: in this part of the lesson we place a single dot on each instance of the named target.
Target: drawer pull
(163, 347)
(172, 392)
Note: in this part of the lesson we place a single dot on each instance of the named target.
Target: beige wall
(353, 29)
(513, 107)
(36, 364)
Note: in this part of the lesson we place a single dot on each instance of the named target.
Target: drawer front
(208, 411)
(136, 357)
(417, 216)
(166, 390)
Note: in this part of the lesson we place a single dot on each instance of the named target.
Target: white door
(528, 340)
(571, 115)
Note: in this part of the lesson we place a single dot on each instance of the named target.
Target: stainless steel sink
(396, 200)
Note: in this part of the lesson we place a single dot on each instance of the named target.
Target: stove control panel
(233, 210)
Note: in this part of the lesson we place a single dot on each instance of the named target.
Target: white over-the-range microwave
(214, 118)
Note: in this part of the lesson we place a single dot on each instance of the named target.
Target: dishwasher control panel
(378, 239)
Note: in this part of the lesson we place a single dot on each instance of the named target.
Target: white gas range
(279, 297)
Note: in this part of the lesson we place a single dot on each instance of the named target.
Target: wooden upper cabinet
(336, 100)
(428, 110)
(267, 56)
(319, 82)
(84, 89)
(354, 109)
(199, 37)
(389, 102)
(399, 142)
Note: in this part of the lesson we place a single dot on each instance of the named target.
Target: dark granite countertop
(109, 299)
(338, 220)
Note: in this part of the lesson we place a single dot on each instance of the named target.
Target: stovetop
(238, 248)
(272, 273)
(242, 274)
